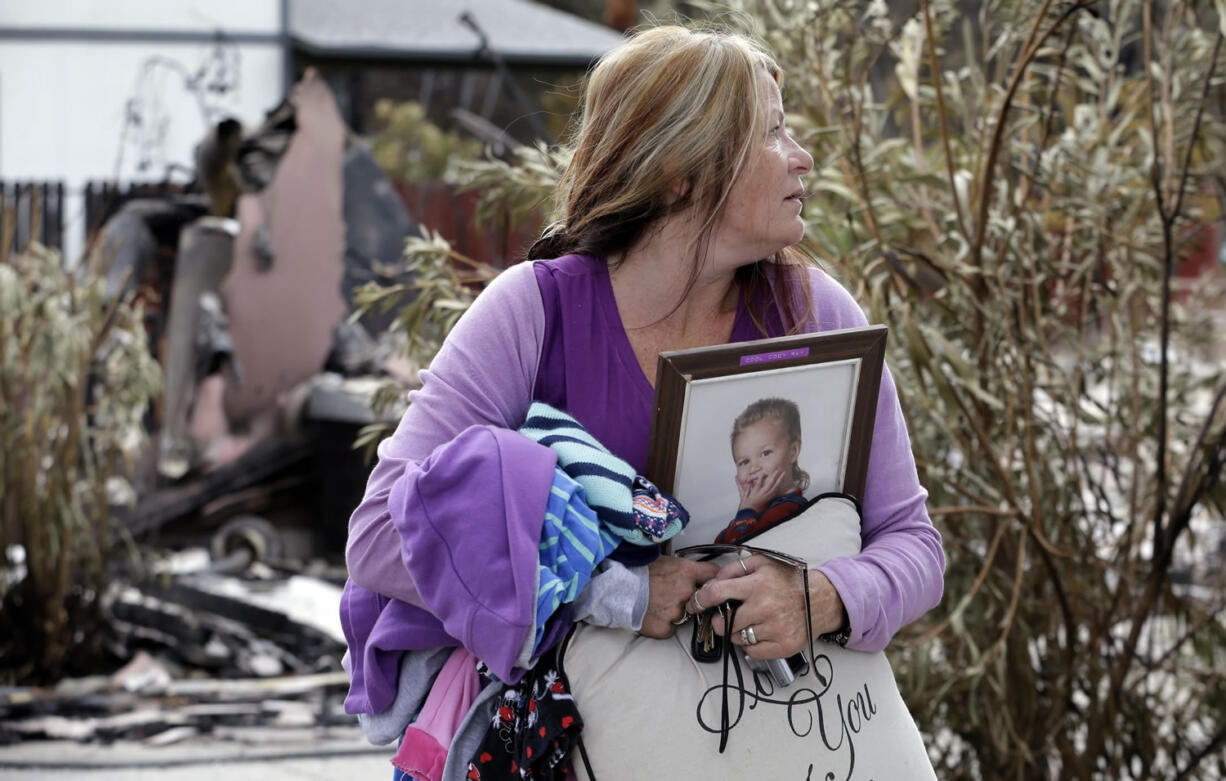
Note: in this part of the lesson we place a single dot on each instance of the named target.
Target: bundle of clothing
(501, 532)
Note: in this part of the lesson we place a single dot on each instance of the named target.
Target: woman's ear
(681, 189)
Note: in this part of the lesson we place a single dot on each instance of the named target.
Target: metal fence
(31, 211)
(37, 211)
(104, 199)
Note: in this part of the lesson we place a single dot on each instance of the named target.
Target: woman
(676, 215)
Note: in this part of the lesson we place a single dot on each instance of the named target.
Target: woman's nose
(802, 161)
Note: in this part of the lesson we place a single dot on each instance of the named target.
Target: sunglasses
(716, 549)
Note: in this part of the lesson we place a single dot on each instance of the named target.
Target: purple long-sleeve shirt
(469, 519)
(550, 331)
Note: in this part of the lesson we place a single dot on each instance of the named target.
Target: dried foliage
(1010, 190)
(444, 282)
(1012, 201)
(426, 310)
(521, 186)
(75, 380)
(409, 146)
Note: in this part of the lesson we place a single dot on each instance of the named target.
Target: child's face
(762, 449)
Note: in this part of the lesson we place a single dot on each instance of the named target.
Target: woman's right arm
(483, 374)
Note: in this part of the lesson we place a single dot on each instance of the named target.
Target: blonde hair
(788, 414)
(669, 106)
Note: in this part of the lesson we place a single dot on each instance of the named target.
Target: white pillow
(640, 698)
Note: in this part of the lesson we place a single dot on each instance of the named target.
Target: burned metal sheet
(282, 312)
(206, 250)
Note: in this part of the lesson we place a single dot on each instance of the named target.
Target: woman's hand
(773, 603)
(757, 491)
(672, 581)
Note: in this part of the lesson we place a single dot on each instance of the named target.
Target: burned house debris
(256, 310)
(247, 293)
(225, 624)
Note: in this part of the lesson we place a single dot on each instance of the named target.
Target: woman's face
(762, 449)
(762, 213)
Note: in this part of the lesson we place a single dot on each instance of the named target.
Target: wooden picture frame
(832, 378)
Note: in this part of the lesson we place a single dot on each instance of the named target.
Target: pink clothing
(423, 753)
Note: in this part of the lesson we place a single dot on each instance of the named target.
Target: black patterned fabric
(534, 727)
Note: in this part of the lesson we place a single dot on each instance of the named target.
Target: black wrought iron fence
(31, 211)
(104, 199)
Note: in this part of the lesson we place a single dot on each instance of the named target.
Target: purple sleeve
(899, 573)
(470, 517)
(483, 375)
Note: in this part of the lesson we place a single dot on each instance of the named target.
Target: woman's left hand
(773, 603)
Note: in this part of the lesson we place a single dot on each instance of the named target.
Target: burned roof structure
(493, 59)
(521, 32)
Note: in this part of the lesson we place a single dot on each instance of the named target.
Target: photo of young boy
(766, 442)
(756, 418)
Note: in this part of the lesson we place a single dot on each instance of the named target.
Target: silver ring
(685, 616)
(748, 637)
(697, 604)
(742, 563)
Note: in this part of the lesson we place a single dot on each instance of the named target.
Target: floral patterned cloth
(533, 729)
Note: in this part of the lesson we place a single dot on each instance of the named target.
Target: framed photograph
(762, 422)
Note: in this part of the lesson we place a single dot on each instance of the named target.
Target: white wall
(233, 15)
(64, 104)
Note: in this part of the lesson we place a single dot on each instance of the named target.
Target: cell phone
(781, 671)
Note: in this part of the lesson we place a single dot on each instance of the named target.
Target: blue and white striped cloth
(573, 542)
(630, 505)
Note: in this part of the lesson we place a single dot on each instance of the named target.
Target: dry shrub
(1010, 190)
(1009, 186)
(75, 380)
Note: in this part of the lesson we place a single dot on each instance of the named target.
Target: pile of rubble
(211, 652)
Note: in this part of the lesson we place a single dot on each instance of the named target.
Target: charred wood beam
(261, 462)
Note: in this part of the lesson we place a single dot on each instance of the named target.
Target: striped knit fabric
(573, 542)
(609, 483)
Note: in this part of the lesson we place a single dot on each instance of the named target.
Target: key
(703, 644)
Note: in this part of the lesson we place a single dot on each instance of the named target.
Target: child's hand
(757, 491)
